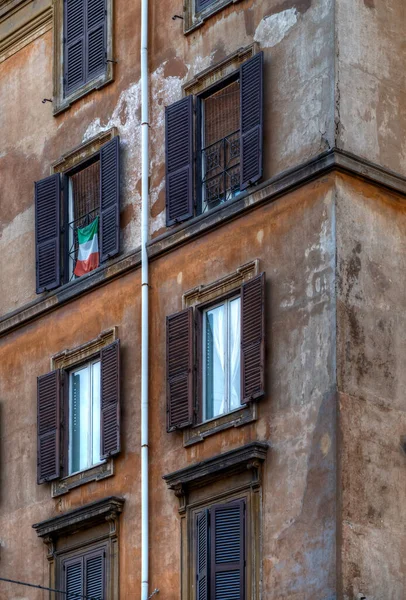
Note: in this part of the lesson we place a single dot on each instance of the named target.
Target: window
(221, 358)
(83, 48)
(197, 11)
(79, 416)
(83, 573)
(78, 211)
(224, 140)
(216, 356)
(84, 417)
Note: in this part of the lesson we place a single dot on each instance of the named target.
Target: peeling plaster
(274, 28)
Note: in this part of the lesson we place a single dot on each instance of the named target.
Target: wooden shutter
(179, 365)
(110, 199)
(74, 45)
(94, 574)
(110, 400)
(96, 38)
(73, 578)
(47, 233)
(227, 551)
(252, 338)
(179, 160)
(251, 119)
(202, 4)
(48, 427)
(202, 556)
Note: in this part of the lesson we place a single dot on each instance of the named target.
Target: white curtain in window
(218, 361)
(234, 349)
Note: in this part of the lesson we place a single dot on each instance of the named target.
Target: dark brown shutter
(96, 38)
(227, 551)
(202, 4)
(251, 118)
(179, 365)
(94, 574)
(252, 339)
(179, 160)
(47, 233)
(110, 400)
(48, 427)
(73, 577)
(110, 199)
(202, 556)
(74, 45)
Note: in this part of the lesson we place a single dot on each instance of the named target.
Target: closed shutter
(202, 4)
(251, 118)
(48, 427)
(94, 575)
(73, 576)
(227, 549)
(47, 233)
(202, 556)
(74, 45)
(179, 160)
(110, 400)
(96, 38)
(252, 339)
(110, 199)
(179, 365)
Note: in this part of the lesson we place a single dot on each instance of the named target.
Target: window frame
(73, 556)
(199, 124)
(194, 18)
(62, 102)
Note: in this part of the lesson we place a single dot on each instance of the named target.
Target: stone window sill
(65, 485)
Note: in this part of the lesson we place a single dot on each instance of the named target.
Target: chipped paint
(274, 28)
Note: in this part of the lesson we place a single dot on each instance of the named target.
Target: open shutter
(74, 45)
(179, 365)
(73, 578)
(48, 427)
(252, 339)
(96, 38)
(110, 199)
(179, 160)
(47, 233)
(202, 556)
(251, 120)
(110, 400)
(94, 574)
(227, 551)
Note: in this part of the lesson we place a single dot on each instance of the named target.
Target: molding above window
(81, 153)
(21, 22)
(60, 102)
(194, 19)
(68, 358)
(220, 70)
(211, 291)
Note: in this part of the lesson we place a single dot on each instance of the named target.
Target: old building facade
(277, 257)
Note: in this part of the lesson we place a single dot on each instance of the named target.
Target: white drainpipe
(144, 300)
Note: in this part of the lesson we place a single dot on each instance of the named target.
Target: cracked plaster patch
(274, 28)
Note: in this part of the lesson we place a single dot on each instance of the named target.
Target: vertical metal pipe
(144, 299)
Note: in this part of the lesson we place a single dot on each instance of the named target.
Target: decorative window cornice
(67, 358)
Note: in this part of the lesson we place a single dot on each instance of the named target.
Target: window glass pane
(234, 353)
(79, 411)
(214, 353)
(96, 412)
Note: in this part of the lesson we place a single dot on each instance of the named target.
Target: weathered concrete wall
(294, 241)
(298, 40)
(370, 80)
(371, 250)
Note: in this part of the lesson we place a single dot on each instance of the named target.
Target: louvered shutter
(252, 339)
(110, 199)
(179, 160)
(96, 38)
(74, 45)
(202, 556)
(227, 551)
(110, 400)
(179, 365)
(202, 4)
(251, 120)
(94, 575)
(73, 578)
(47, 233)
(48, 427)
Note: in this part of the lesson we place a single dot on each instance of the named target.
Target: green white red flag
(88, 255)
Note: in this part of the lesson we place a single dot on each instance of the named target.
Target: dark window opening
(220, 148)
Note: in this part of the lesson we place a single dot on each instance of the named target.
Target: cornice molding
(30, 23)
(269, 191)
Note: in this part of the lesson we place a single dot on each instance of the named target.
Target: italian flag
(88, 255)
